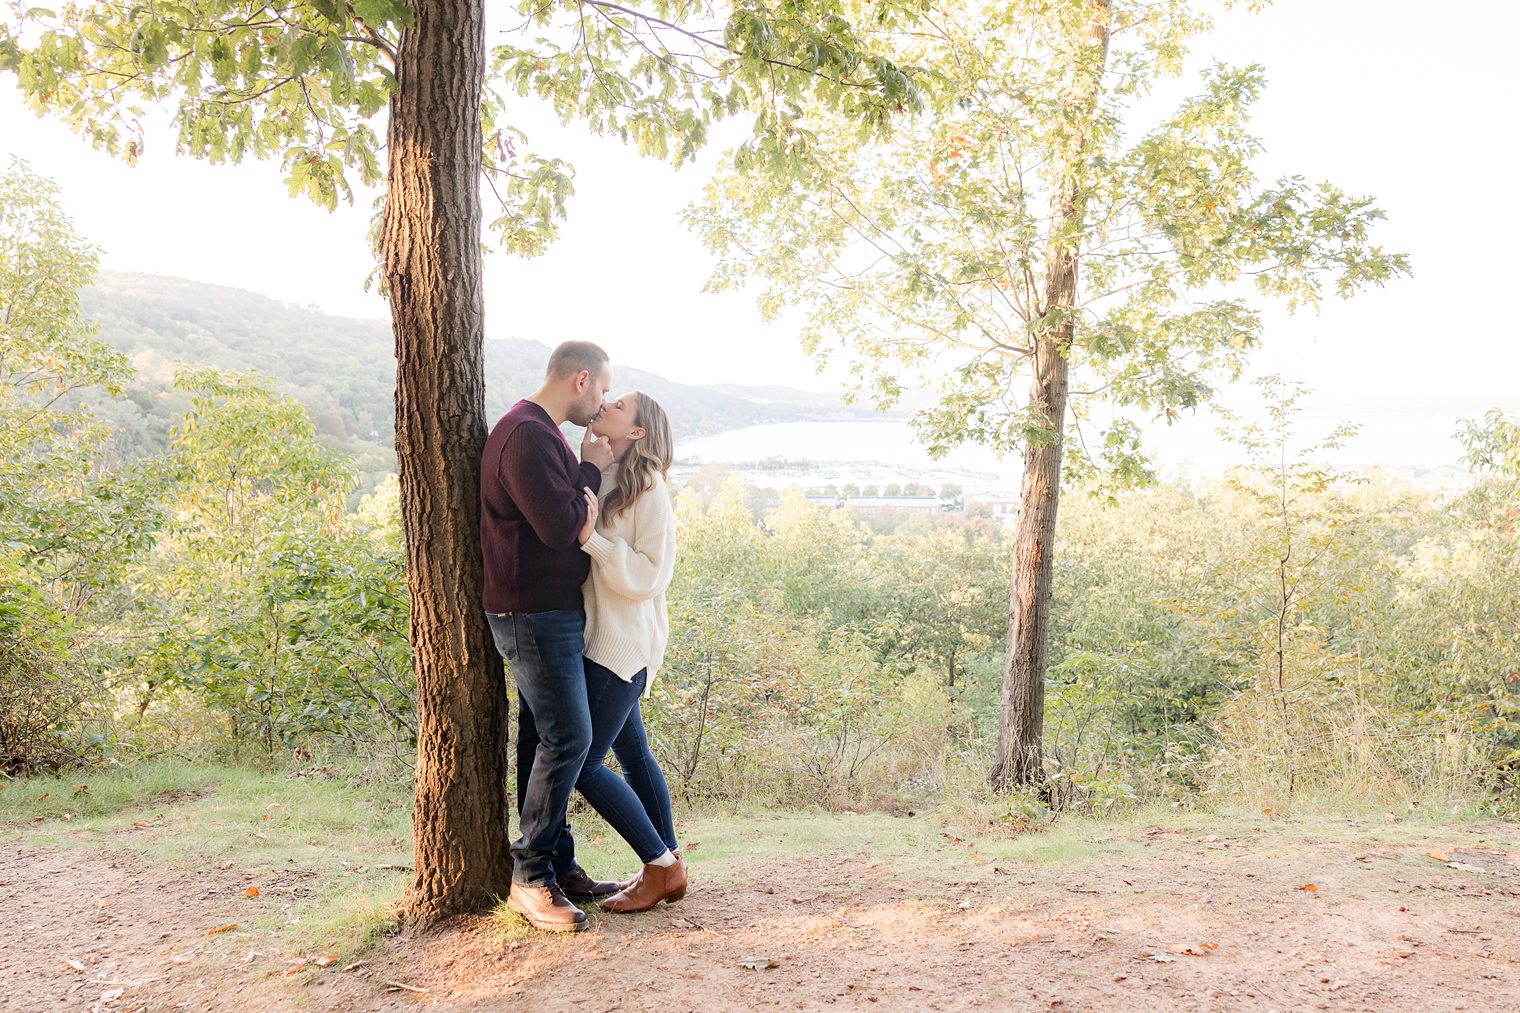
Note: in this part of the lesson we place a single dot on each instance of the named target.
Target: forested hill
(343, 370)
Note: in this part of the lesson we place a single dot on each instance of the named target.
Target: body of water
(1420, 448)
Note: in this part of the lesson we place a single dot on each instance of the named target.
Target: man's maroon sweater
(531, 510)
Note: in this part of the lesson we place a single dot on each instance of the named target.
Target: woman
(630, 536)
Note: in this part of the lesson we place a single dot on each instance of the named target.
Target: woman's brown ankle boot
(653, 884)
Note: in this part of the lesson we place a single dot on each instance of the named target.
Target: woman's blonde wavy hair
(645, 457)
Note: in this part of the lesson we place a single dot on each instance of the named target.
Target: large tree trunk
(1021, 710)
(432, 263)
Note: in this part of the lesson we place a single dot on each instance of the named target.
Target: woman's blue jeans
(636, 805)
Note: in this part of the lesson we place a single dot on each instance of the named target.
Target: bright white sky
(1385, 97)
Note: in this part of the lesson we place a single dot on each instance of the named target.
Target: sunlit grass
(329, 854)
(106, 793)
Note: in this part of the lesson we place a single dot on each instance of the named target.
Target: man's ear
(582, 379)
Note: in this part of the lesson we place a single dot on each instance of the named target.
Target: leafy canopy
(305, 81)
(926, 254)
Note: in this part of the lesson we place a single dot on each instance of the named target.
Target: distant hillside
(343, 370)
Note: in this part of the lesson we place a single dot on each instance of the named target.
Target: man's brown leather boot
(546, 907)
(653, 884)
(578, 885)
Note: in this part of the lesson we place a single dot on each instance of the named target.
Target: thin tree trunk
(432, 263)
(1021, 709)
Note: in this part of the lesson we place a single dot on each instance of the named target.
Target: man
(532, 507)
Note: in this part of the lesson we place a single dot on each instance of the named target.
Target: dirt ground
(1337, 915)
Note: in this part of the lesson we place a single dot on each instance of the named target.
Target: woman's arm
(641, 569)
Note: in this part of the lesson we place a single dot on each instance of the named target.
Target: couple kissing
(578, 554)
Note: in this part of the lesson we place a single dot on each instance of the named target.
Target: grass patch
(330, 855)
(316, 841)
(350, 920)
(107, 792)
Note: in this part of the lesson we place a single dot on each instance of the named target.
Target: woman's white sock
(665, 861)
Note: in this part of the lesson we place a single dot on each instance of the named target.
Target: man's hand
(591, 512)
(596, 450)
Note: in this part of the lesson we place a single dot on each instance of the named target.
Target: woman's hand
(591, 511)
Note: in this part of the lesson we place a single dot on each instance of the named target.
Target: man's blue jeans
(543, 651)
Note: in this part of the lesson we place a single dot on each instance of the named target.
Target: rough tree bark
(1021, 710)
(432, 264)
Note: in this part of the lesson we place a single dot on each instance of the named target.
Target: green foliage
(264, 598)
(789, 673)
(68, 519)
(304, 83)
(925, 256)
(1493, 444)
(1359, 631)
(298, 83)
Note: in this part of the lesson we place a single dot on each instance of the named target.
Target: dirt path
(1264, 917)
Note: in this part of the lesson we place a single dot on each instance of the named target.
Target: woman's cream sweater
(632, 558)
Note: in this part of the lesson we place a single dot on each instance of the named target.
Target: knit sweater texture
(633, 556)
(531, 514)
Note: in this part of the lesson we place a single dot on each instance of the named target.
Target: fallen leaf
(1465, 867)
(181, 958)
(81, 789)
(325, 960)
(76, 965)
(222, 928)
(1309, 888)
(112, 995)
(43, 796)
(758, 963)
(1200, 949)
(261, 835)
(252, 891)
(139, 824)
(273, 805)
(1267, 811)
(692, 845)
(295, 965)
(1160, 958)
(978, 858)
(264, 816)
(1439, 856)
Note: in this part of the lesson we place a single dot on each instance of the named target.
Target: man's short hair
(573, 356)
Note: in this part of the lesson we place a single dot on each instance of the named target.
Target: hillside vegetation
(343, 371)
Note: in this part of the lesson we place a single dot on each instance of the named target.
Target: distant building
(871, 505)
(1003, 510)
(1442, 478)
